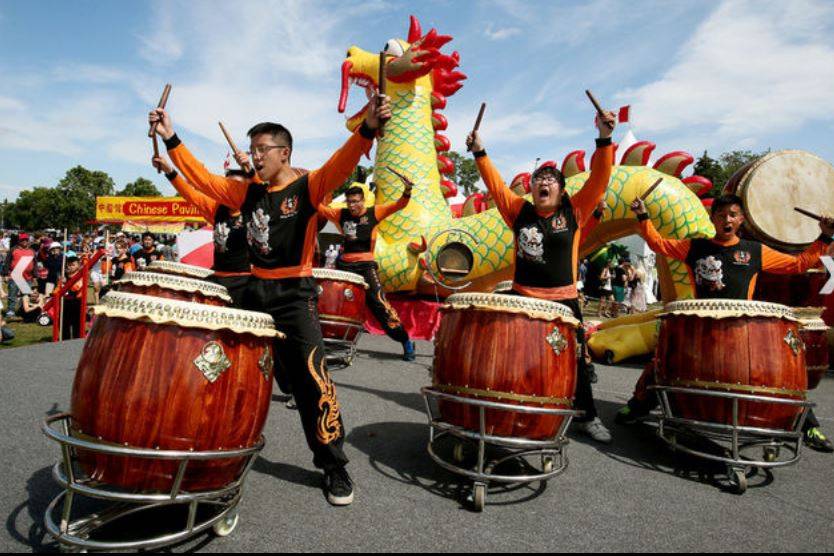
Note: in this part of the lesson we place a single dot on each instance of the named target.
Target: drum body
(171, 375)
(341, 303)
(814, 334)
(742, 347)
(506, 349)
(172, 286)
(775, 183)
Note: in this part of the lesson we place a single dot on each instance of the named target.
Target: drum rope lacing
(177, 283)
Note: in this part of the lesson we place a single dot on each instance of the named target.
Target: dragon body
(413, 244)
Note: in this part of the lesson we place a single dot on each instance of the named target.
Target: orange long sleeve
(340, 166)
(779, 263)
(508, 203)
(329, 212)
(205, 204)
(675, 248)
(384, 211)
(226, 191)
(586, 199)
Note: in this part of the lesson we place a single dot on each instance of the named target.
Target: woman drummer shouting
(725, 267)
(547, 234)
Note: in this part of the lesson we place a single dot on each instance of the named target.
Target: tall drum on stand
(504, 375)
(156, 416)
(732, 372)
(341, 313)
(814, 333)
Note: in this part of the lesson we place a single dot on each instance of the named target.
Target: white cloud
(750, 69)
(500, 34)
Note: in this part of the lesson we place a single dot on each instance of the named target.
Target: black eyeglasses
(265, 149)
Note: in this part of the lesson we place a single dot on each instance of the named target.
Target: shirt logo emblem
(742, 257)
(289, 207)
(530, 244)
(257, 231)
(559, 224)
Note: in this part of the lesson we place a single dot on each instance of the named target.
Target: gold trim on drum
(177, 283)
(265, 363)
(728, 308)
(504, 286)
(715, 385)
(557, 341)
(498, 395)
(159, 310)
(212, 361)
(170, 267)
(794, 342)
(534, 308)
(339, 276)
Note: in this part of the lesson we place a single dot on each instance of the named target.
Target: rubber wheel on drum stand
(458, 452)
(547, 464)
(739, 480)
(225, 526)
(478, 498)
(770, 453)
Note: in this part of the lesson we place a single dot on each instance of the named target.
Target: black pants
(299, 362)
(71, 325)
(375, 299)
(236, 286)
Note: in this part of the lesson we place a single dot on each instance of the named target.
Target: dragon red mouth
(350, 77)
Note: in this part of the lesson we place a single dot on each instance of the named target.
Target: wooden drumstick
(162, 102)
(648, 192)
(480, 117)
(402, 177)
(234, 148)
(597, 105)
(809, 214)
(152, 131)
(381, 78)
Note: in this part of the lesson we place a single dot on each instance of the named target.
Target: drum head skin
(777, 183)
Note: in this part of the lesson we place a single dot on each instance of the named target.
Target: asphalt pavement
(634, 495)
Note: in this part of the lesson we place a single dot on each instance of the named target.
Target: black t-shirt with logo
(358, 230)
(277, 224)
(231, 253)
(724, 271)
(544, 247)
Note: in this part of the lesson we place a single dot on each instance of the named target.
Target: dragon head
(417, 61)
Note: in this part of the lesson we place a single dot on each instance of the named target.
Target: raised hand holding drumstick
(606, 120)
(638, 206)
(406, 182)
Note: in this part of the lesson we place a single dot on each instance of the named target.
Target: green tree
(466, 172)
(36, 209)
(720, 171)
(142, 187)
(79, 189)
(710, 168)
(360, 174)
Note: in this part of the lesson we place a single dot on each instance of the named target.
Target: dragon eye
(394, 48)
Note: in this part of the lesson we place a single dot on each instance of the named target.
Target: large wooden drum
(508, 349)
(814, 333)
(744, 347)
(341, 303)
(180, 269)
(172, 286)
(775, 183)
(173, 375)
(794, 290)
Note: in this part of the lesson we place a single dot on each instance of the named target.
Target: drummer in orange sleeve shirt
(280, 215)
(359, 228)
(547, 234)
(725, 267)
(231, 256)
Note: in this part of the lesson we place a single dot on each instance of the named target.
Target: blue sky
(78, 78)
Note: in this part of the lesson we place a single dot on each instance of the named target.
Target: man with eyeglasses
(547, 233)
(279, 211)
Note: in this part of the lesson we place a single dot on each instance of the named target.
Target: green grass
(27, 334)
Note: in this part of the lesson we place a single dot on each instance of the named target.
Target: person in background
(606, 292)
(32, 307)
(122, 262)
(18, 252)
(54, 265)
(148, 253)
(72, 323)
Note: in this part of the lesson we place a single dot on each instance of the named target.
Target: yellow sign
(145, 209)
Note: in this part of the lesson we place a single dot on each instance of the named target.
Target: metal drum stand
(75, 535)
(779, 448)
(339, 352)
(552, 452)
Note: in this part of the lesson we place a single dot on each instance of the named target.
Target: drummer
(280, 218)
(359, 229)
(726, 267)
(231, 255)
(547, 233)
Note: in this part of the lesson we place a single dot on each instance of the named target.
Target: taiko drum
(743, 347)
(341, 303)
(173, 375)
(172, 286)
(506, 349)
(814, 333)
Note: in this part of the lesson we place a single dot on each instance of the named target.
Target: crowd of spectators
(53, 260)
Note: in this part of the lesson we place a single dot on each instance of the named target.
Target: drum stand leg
(339, 352)
(551, 452)
(735, 439)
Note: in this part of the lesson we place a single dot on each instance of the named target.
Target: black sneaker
(816, 440)
(592, 374)
(338, 486)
